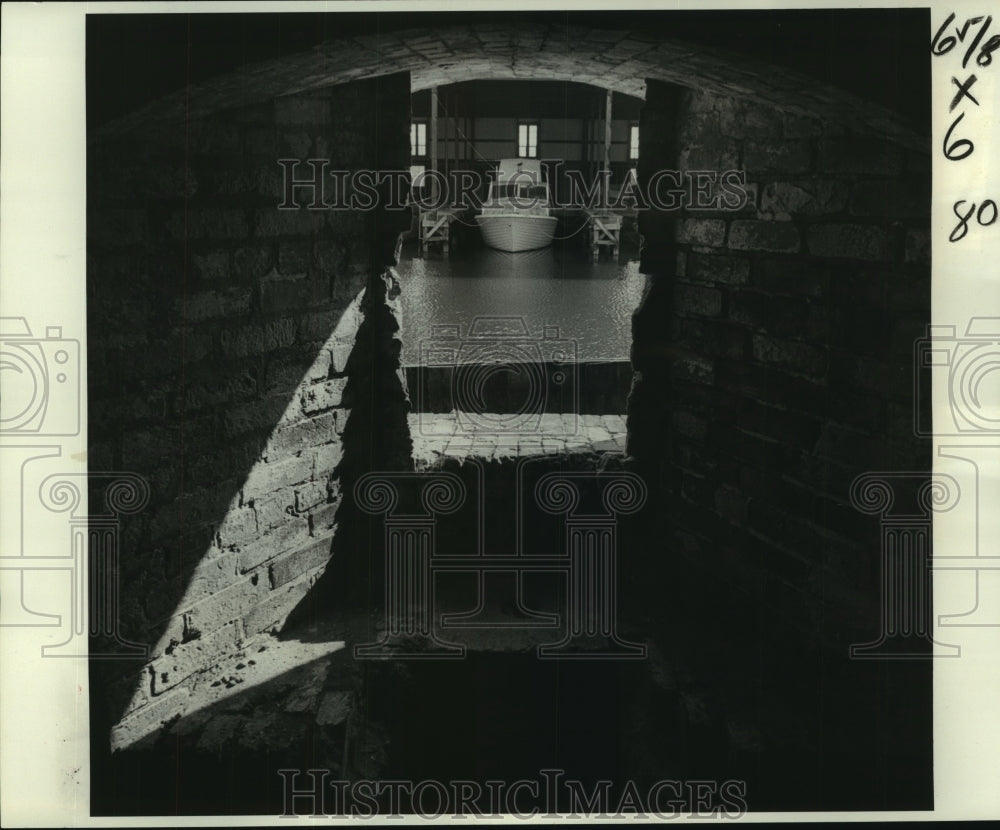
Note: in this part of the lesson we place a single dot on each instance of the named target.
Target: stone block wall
(222, 338)
(773, 355)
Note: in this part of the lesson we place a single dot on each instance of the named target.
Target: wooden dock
(604, 232)
(435, 228)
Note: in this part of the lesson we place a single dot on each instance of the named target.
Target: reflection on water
(591, 303)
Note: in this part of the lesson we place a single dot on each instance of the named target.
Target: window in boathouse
(527, 140)
(418, 139)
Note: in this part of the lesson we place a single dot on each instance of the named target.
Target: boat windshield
(510, 190)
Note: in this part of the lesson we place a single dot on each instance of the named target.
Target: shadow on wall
(224, 555)
(650, 351)
(376, 437)
(220, 330)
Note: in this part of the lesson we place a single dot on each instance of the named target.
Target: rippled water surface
(590, 303)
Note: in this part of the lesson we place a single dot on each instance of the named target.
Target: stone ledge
(481, 435)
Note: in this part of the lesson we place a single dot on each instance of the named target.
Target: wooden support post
(452, 136)
(606, 177)
(434, 142)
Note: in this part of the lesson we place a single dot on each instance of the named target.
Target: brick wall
(773, 355)
(222, 353)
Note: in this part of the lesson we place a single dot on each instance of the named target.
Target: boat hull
(510, 232)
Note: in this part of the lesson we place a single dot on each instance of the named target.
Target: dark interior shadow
(491, 716)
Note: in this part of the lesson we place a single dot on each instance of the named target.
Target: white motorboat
(517, 214)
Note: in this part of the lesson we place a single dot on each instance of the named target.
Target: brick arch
(621, 60)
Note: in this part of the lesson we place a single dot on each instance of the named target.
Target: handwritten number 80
(985, 217)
